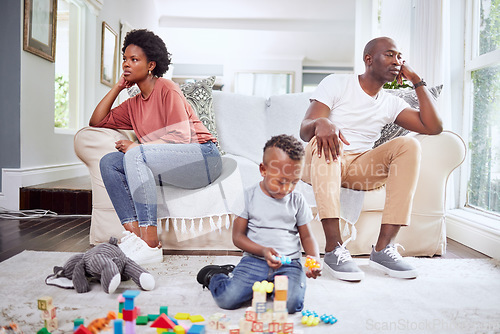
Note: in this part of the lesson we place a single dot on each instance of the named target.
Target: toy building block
(311, 263)
(130, 315)
(129, 327)
(250, 315)
(280, 295)
(245, 326)
(129, 296)
(153, 317)
(182, 316)
(164, 310)
(44, 303)
(233, 329)
(51, 324)
(196, 329)
(77, 322)
(223, 324)
(163, 322)
(288, 327)
(196, 318)
(260, 307)
(179, 330)
(274, 327)
(257, 326)
(279, 306)
(280, 282)
(142, 320)
(49, 313)
(41, 331)
(283, 259)
(82, 330)
(213, 320)
(118, 326)
(280, 317)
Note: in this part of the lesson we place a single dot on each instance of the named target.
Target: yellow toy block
(182, 316)
(196, 318)
(44, 303)
(179, 329)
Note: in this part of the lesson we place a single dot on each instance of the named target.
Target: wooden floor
(71, 234)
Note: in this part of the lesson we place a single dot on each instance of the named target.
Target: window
(67, 64)
(482, 72)
(263, 83)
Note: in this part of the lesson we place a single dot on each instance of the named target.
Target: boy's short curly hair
(153, 46)
(288, 144)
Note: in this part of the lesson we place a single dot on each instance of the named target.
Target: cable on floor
(32, 214)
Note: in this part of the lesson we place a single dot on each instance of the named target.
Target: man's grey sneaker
(340, 263)
(206, 273)
(391, 262)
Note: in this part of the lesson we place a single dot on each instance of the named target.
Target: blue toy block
(196, 329)
(118, 326)
(129, 296)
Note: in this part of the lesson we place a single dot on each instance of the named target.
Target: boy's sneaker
(206, 273)
(340, 263)
(391, 262)
(138, 250)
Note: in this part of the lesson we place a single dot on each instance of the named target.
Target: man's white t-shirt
(359, 116)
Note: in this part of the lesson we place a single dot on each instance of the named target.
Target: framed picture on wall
(108, 55)
(39, 35)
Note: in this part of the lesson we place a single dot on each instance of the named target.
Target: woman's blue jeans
(131, 178)
(231, 292)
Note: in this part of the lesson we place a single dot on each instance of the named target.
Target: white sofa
(244, 124)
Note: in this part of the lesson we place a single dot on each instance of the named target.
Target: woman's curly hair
(288, 144)
(153, 46)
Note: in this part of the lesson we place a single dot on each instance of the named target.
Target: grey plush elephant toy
(106, 263)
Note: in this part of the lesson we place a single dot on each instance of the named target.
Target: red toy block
(163, 322)
(82, 330)
(130, 315)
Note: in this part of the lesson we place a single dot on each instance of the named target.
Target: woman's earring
(149, 73)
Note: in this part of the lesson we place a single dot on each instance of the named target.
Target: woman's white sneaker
(138, 250)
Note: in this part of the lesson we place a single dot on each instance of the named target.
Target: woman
(175, 147)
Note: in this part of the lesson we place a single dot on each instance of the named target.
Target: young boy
(274, 223)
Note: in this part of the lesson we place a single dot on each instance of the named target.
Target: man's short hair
(288, 144)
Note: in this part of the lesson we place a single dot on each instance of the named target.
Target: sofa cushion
(240, 122)
(199, 96)
(393, 130)
(285, 113)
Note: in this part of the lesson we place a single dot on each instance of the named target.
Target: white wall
(46, 155)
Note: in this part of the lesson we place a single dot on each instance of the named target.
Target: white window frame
(472, 226)
(77, 107)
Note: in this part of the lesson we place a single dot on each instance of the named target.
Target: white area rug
(449, 296)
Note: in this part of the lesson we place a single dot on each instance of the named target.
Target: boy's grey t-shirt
(274, 222)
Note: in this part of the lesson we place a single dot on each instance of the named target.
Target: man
(344, 119)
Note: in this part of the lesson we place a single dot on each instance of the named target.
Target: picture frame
(40, 23)
(109, 46)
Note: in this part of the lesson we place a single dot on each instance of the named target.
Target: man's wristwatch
(420, 83)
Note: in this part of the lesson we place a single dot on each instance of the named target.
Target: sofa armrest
(92, 143)
(441, 154)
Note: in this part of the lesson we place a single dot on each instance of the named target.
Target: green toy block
(43, 331)
(142, 320)
(153, 317)
(164, 309)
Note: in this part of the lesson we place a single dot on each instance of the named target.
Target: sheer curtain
(430, 45)
(430, 54)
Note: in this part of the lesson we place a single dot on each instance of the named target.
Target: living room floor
(70, 234)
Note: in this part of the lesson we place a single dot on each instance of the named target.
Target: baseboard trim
(474, 230)
(15, 178)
